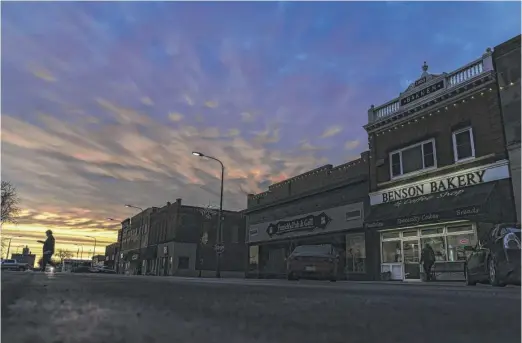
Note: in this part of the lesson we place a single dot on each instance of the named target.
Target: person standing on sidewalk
(427, 260)
(48, 250)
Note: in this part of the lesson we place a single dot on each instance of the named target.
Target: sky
(103, 103)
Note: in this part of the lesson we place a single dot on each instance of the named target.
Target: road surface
(66, 308)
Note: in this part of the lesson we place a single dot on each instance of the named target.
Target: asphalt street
(63, 308)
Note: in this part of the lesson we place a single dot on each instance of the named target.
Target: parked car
(14, 265)
(314, 261)
(102, 270)
(496, 258)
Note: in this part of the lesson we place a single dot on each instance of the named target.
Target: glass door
(411, 259)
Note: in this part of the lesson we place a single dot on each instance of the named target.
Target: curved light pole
(94, 253)
(140, 231)
(219, 240)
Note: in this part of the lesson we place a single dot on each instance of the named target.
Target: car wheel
(291, 276)
(469, 280)
(493, 275)
(21, 269)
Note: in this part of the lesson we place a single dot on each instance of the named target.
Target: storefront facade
(331, 212)
(439, 170)
(448, 212)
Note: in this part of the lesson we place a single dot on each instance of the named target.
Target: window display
(456, 244)
(355, 253)
(253, 257)
(438, 245)
(391, 252)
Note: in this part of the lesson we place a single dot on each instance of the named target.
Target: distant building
(25, 257)
(112, 255)
(98, 259)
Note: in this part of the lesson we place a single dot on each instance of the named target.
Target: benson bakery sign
(308, 223)
(451, 182)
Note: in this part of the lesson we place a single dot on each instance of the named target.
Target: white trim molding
(472, 142)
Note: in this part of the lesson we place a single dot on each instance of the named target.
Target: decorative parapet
(430, 86)
(310, 181)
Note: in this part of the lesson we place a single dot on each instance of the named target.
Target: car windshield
(313, 249)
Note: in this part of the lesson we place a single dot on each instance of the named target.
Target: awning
(457, 204)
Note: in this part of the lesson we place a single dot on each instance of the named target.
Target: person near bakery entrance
(427, 260)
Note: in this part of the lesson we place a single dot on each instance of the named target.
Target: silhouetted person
(427, 260)
(48, 250)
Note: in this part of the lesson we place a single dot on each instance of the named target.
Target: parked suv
(313, 261)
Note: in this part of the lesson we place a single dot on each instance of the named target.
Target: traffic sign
(219, 248)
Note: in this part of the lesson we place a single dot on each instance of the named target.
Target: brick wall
(481, 113)
(314, 180)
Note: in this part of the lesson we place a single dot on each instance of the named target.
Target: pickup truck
(14, 265)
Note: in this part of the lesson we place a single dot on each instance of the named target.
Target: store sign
(422, 93)
(308, 223)
(446, 186)
(134, 257)
(425, 218)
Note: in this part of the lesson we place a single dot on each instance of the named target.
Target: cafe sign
(308, 223)
(448, 184)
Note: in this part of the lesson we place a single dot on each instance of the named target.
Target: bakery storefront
(448, 212)
(270, 243)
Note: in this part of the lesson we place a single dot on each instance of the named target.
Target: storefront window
(438, 245)
(355, 253)
(456, 244)
(391, 252)
(253, 257)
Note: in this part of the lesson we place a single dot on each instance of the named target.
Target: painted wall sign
(425, 218)
(447, 184)
(165, 250)
(422, 93)
(308, 223)
(325, 221)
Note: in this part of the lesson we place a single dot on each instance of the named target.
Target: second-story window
(463, 145)
(412, 159)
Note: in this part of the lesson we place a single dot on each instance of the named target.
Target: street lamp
(219, 240)
(94, 253)
(81, 256)
(9, 245)
(140, 231)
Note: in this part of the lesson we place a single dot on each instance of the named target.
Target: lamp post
(140, 232)
(81, 246)
(219, 241)
(94, 252)
(9, 245)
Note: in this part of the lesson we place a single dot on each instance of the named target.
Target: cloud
(331, 131)
(175, 117)
(147, 101)
(211, 104)
(307, 146)
(247, 117)
(44, 75)
(350, 145)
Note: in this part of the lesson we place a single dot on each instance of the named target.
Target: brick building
(184, 237)
(112, 252)
(506, 59)
(134, 242)
(276, 225)
(439, 170)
